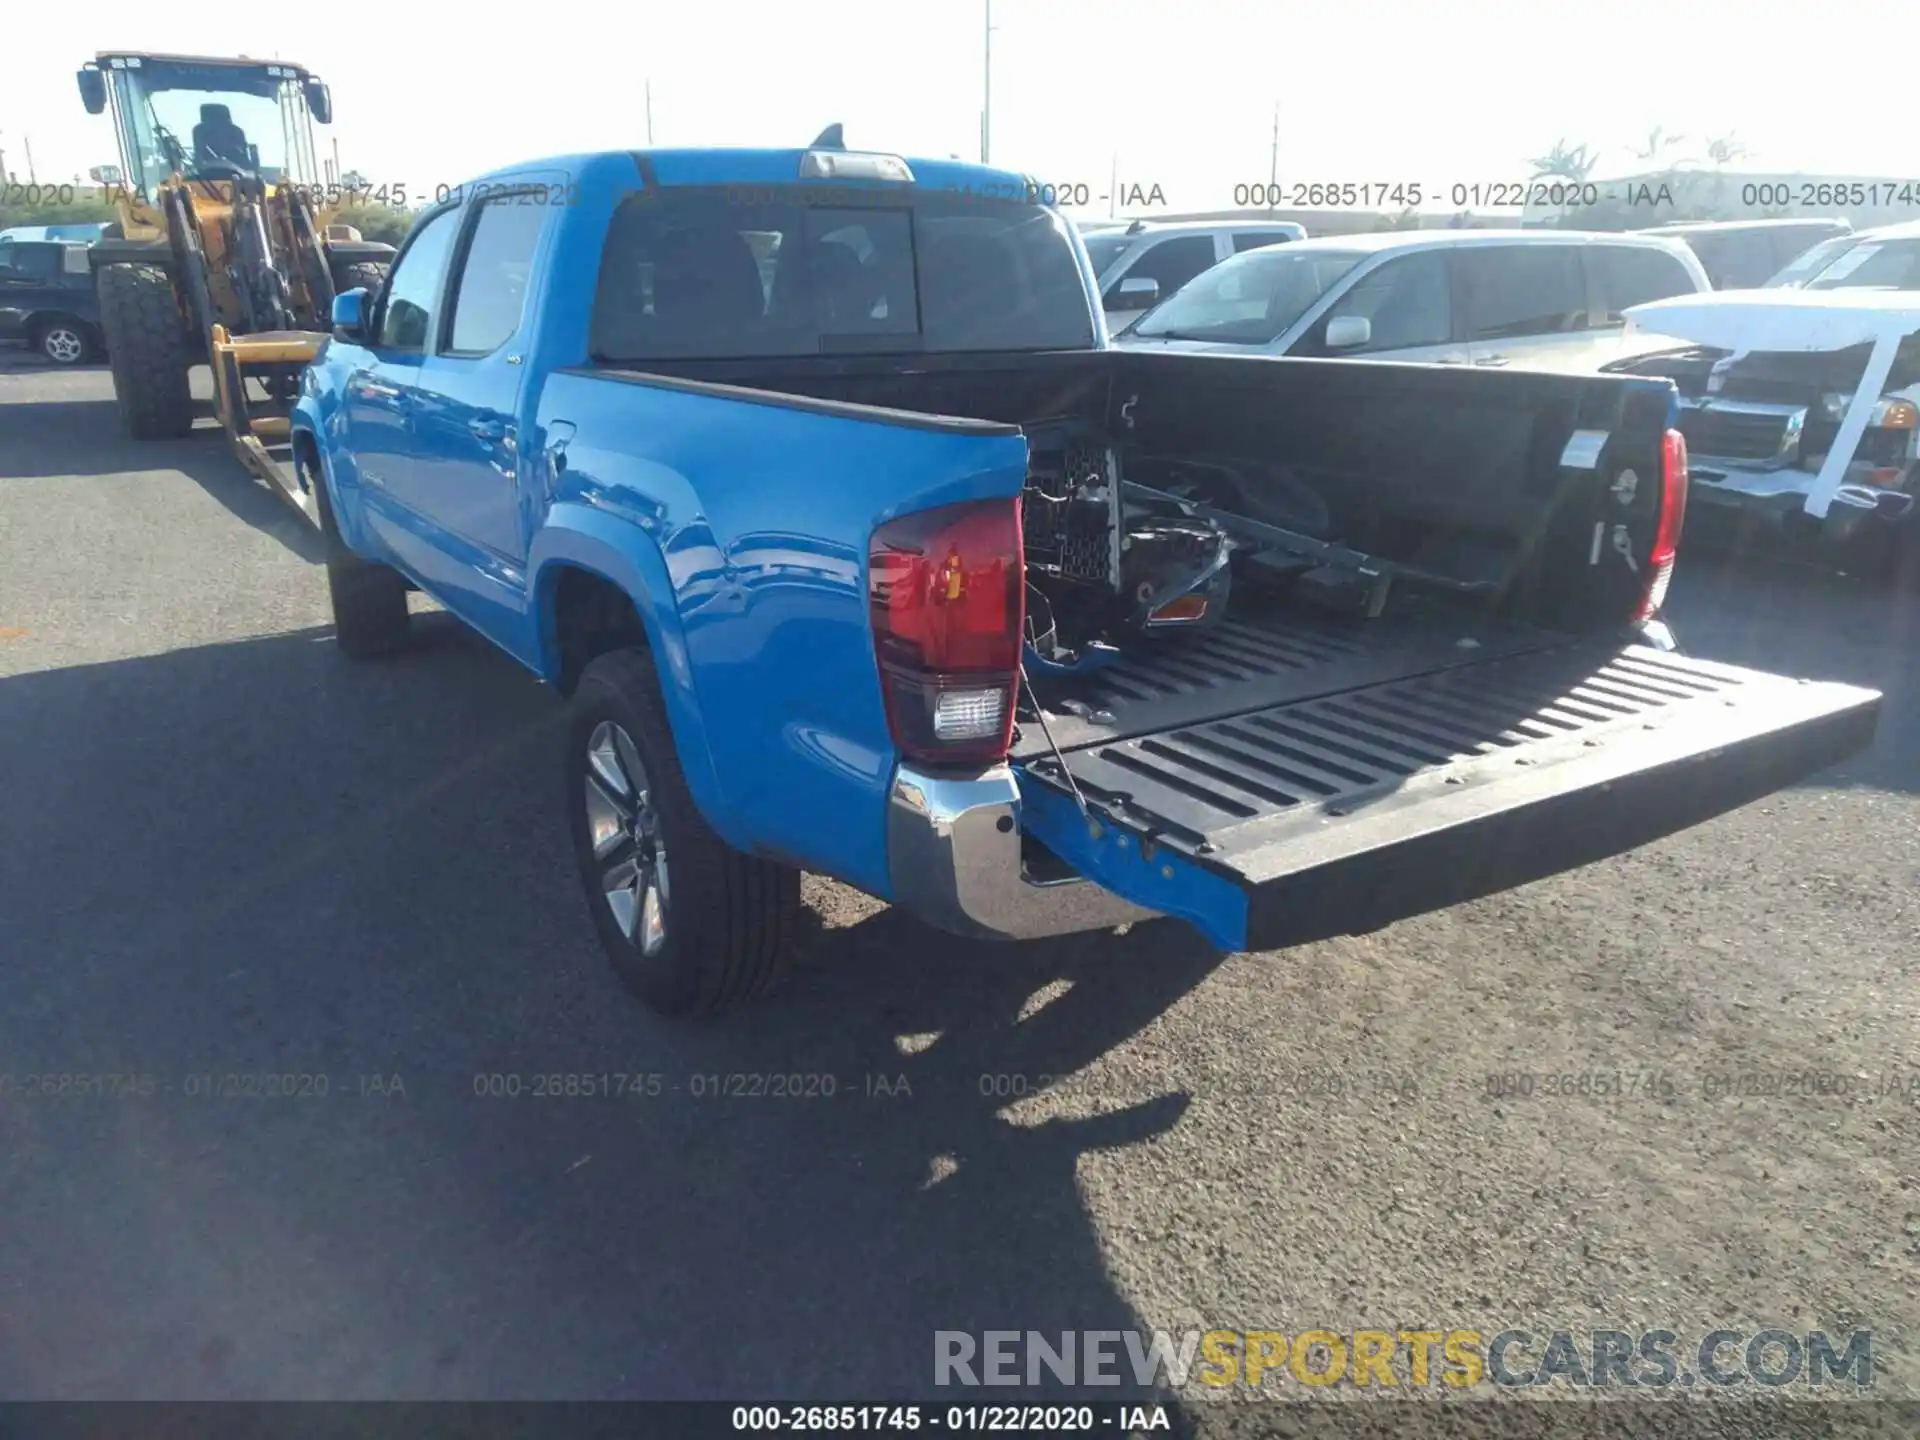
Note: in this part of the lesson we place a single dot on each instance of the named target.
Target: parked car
(1142, 263)
(1744, 254)
(1801, 407)
(1532, 299)
(898, 574)
(47, 298)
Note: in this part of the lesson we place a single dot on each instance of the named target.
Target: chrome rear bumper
(953, 851)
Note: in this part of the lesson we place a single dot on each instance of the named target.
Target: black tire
(370, 616)
(729, 918)
(64, 341)
(148, 348)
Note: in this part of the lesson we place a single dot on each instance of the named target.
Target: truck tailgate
(1342, 812)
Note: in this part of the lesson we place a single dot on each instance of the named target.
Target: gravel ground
(228, 850)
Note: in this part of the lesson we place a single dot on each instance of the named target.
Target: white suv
(1535, 300)
(1141, 264)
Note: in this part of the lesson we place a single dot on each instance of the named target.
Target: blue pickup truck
(810, 478)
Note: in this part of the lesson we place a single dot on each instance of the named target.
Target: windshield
(1252, 299)
(701, 274)
(1811, 260)
(208, 121)
(1873, 265)
(1103, 250)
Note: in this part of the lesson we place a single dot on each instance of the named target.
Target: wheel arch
(598, 584)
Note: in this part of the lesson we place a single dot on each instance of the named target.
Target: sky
(1175, 93)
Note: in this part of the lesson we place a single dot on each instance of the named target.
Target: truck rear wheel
(148, 348)
(691, 924)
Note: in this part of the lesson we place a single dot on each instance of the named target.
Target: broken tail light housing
(946, 594)
(1666, 535)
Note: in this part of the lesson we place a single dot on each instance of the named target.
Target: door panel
(466, 414)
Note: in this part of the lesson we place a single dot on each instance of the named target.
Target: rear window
(709, 274)
(1626, 275)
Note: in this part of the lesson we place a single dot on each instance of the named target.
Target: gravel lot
(225, 849)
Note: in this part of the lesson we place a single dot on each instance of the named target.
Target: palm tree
(1658, 140)
(1564, 163)
(1725, 150)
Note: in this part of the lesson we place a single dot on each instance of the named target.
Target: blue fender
(576, 536)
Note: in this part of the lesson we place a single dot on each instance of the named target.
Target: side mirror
(320, 102)
(1346, 331)
(93, 90)
(350, 309)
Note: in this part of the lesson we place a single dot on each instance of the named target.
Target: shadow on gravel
(259, 859)
(81, 438)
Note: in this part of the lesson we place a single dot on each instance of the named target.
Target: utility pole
(649, 114)
(1273, 164)
(986, 110)
(27, 140)
(4, 177)
(336, 161)
(1113, 187)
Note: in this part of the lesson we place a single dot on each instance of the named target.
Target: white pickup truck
(1801, 407)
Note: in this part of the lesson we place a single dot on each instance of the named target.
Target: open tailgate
(1343, 812)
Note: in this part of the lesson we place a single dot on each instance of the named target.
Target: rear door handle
(1491, 360)
(488, 429)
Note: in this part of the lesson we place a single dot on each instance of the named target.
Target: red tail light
(947, 594)
(1673, 515)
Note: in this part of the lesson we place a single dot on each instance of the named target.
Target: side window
(1173, 262)
(30, 262)
(1626, 275)
(1406, 301)
(1735, 259)
(413, 289)
(1514, 291)
(492, 288)
(1258, 239)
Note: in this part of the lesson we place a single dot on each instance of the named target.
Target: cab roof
(247, 62)
(715, 165)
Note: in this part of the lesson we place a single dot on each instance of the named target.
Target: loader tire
(370, 616)
(148, 348)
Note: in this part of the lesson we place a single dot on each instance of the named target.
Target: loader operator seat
(218, 143)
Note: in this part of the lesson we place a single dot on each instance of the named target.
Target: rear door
(1622, 275)
(29, 277)
(1525, 304)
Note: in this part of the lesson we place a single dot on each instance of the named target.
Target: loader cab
(207, 118)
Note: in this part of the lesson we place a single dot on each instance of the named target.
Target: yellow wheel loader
(225, 253)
